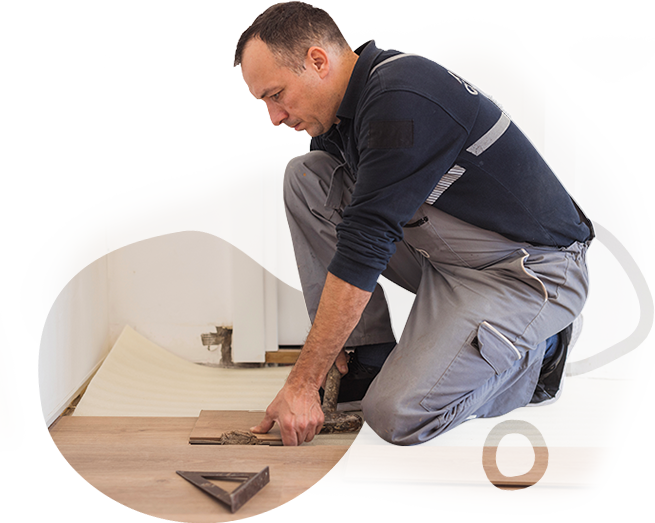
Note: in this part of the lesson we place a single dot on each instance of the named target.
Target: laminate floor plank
(128, 476)
(113, 429)
(527, 466)
(211, 424)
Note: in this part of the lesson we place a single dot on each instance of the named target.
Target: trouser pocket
(485, 355)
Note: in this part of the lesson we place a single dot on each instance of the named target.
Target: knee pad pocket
(486, 354)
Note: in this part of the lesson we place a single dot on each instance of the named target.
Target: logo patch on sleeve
(391, 134)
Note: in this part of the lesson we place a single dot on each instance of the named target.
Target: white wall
(168, 106)
(615, 184)
(53, 195)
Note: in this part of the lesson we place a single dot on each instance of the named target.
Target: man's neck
(350, 60)
(347, 64)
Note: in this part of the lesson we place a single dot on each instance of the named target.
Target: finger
(342, 362)
(265, 425)
(319, 420)
(318, 426)
(289, 436)
(309, 433)
(304, 431)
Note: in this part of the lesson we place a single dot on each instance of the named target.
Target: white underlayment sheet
(138, 378)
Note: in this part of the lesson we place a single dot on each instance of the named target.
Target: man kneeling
(415, 174)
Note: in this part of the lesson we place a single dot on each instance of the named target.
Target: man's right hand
(297, 407)
(342, 362)
(297, 410)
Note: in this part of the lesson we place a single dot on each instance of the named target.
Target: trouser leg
(317, 187)
(474, 341)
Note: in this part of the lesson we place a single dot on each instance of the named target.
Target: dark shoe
(355, 384)
(359, 378)
(549, 385)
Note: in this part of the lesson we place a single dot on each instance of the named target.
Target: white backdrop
(53, 187)
(614, 183)
(115, 150)
(168, 147)
(136, 96)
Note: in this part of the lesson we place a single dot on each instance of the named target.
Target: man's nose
(277, 114)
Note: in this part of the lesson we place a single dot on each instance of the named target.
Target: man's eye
(275, 97)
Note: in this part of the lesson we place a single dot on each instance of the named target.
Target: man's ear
(318, 60)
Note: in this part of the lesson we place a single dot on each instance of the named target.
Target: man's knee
(392, 417)
(380, 415)
(398, 416)
(295, 170)
(307, 179)
(316, 163)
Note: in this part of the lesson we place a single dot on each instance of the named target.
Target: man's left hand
(297, 410)
(297, 407)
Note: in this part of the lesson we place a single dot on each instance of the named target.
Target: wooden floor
(134, 460)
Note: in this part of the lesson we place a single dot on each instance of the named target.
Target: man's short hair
(290, 29)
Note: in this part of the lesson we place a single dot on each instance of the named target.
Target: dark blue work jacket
(412, 132)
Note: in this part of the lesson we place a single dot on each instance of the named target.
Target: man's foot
(364, 365)
(549, 385)
(355, 384)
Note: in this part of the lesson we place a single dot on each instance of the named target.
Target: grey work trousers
(475, 338)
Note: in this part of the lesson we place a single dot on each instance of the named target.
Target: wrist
(301, 379)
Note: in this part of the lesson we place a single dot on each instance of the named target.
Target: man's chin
(314, 132)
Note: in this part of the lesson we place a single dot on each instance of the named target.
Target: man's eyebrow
(267, 92)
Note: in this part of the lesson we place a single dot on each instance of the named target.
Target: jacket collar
(367, 57)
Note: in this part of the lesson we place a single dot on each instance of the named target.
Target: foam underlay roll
(139, 378)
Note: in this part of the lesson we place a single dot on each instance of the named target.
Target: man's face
(299, 101)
